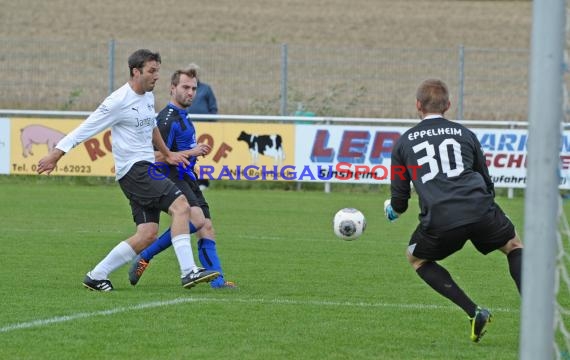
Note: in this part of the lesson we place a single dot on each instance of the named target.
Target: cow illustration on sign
(268, 145)
(38, 134)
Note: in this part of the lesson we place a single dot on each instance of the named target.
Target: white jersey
(132, 120)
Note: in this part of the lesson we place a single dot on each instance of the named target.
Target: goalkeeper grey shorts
(492, 232)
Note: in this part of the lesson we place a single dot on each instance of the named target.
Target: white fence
(275, 79)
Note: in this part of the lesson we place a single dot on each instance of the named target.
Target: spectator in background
(204, 103)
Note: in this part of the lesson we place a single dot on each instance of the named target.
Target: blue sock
(162, 243)
(209, 259)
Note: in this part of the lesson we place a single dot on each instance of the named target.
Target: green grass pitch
(303, 293)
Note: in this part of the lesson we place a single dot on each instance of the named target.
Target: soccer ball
(349, 224)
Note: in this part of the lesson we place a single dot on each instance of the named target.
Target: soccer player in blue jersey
(179, 135)
(456, 197)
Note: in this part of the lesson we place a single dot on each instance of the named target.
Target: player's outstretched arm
(48, 162)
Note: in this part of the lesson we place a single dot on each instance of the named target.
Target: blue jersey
(177, 131)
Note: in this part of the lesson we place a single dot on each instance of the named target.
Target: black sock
(440, 280)
(515, 266)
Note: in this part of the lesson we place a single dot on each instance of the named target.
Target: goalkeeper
(456, 198)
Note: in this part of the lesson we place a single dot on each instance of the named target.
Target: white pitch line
(155, 304)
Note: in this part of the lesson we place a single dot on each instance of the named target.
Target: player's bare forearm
(159, 157)
(199, 150)
(48, 162)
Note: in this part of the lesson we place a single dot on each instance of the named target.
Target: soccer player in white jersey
(129, 112)
(456, 197)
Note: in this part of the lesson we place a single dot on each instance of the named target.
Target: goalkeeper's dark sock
(515, 266)
(208, 256)
(163, 242)
(440, 280)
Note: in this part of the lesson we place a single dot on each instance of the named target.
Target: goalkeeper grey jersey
(132, 120)
(453, 183)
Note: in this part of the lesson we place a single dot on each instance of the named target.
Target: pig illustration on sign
(38, 134)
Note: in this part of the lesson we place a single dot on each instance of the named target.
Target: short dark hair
(433, 96)
(175, 78)
(139, 58)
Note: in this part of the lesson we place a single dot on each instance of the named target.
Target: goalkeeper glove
(391, 215)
